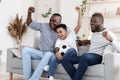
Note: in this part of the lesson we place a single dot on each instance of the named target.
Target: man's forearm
(29, 19)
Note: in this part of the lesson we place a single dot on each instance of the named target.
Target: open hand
(107, 36)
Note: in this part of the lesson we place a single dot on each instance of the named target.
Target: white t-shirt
(116, 45)
(98, 43)
(69, 42)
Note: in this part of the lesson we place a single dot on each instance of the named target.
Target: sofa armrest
(111, 66)
(116, 66)
(0, 52)
(36, 42)
(10, 56)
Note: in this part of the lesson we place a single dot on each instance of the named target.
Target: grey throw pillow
(82, 49)
(17, 52)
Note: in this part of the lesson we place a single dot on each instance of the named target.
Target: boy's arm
(59, 56)
(56, 50)
(76, 29)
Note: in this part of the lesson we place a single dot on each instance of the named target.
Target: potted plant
(17, 29)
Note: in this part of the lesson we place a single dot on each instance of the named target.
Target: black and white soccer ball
(63, 49)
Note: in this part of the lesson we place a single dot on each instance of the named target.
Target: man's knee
(49, 54)
(53, 57)
(87, 56)
(25, 50)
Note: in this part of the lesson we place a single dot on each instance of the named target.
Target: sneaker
(46, 68)
(51, 78)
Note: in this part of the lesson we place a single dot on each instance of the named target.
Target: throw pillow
(17, 52)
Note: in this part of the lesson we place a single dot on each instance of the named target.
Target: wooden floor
(5, 76)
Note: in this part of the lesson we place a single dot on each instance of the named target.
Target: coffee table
(42, 78)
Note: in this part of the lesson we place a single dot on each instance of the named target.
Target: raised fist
(107, 36)
(78, 8)
(31, 10)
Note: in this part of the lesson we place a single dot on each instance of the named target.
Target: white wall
(70, 15)
(41, 7)
(8, 10)
(111, 21)
(68, 12)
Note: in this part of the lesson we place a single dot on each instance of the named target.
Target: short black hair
(57, 14)
(61, 26)
(98, 15)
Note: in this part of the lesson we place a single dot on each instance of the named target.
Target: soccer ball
(63, 49)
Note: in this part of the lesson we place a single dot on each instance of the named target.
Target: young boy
(65, 45)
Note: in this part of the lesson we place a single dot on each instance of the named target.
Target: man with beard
(94, 56)
(45, 46)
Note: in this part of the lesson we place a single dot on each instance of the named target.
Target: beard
(53, 26)
(96, 29)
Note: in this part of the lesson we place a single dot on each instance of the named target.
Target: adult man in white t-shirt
(95, 54)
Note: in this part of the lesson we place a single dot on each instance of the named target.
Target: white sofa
(108, 70)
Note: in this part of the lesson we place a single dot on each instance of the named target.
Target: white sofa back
(81, 49)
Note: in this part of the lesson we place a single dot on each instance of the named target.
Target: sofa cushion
(94, 71)
(60, 69)
(36, 42)
(82, 49)
(92, 78)
(17, 63)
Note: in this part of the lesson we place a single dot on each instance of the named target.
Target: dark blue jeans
(70, 53)
(87, 59)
